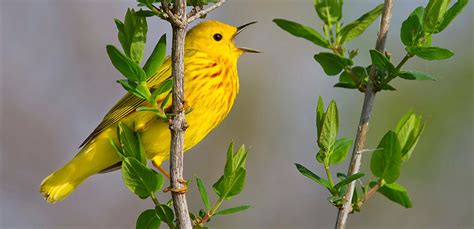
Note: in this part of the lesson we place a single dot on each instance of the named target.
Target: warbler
(211, 85)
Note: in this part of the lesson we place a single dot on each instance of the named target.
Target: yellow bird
(211, 86)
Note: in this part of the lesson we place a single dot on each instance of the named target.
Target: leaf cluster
(132, 35)
(416, 35)
(227, 186)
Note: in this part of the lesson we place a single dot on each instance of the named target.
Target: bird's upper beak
(240, 29)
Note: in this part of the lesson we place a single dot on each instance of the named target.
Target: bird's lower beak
(240, 29)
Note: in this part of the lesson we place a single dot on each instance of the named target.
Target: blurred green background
(57, 82)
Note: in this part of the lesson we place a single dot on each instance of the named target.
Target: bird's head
(216, 38)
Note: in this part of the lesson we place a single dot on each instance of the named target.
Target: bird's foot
(181, 190)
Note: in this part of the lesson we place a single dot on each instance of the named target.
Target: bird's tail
(92, 159)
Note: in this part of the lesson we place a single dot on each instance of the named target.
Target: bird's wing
(129, 103)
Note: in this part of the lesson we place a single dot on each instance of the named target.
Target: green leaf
(125, 65)
(148, 220)
(381, 60)
(451, 14)
(330, 127)
(332, 64)
(434, 13)
(415, 75)
(155, 111)
(131, 144)
(138, 39)
(307, 173)
(156, 58)
(430, 53)
(132, 87)
(145, 13)
(233, 210)
(348, 180)
(203, 192)
(340, 150)
(228, 168)
(412, 27)
(386, 160)
(302, 31)
(357, 27)
(165, 213)
(329, 11)
(228, 186)
(139, 179)
(319, 114)
(165, 101)
(165, 86)
(409, 130)
(394, 192)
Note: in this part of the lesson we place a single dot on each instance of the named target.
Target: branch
(363, 127)
(178, 124)
(203, 12)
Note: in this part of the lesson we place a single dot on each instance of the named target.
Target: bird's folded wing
(129, 103)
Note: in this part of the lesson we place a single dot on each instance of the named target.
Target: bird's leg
(183, 189)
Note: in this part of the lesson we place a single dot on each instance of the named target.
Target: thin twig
(362, 129)
(203, 12)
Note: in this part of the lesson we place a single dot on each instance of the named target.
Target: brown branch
(203, 12)
(363, 127)
(178, 125)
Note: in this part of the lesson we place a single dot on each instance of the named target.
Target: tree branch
(178, 125)
(203, 12)
(363, 127)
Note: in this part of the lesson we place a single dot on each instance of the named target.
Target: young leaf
(395, 192)
(346, 81)
(451, 14)
(340, 150)
(386, 160)
(319, 114)
(165, 213)
(357, 27)
(332, 64)
(148, 220)
(137, 38)
(348, 180)
(412, 27)
(415, 75)
(409, 130)
(434, 13)
(302, 31)
(381, 60)
(203, 192)
(156, 58)
(330, 127)
(131, 87)
(227, 187)
(139, 179)
(430, 53)
(228, 168)
(307, 173)
(125, 65)
(233, 210)
(131, 144)
(330, 12)
(162, 88)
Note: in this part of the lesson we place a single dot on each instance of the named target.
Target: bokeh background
(57, 82)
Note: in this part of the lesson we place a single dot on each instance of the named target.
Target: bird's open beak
(240, 29)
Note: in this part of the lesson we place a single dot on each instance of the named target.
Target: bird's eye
(217, 37)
